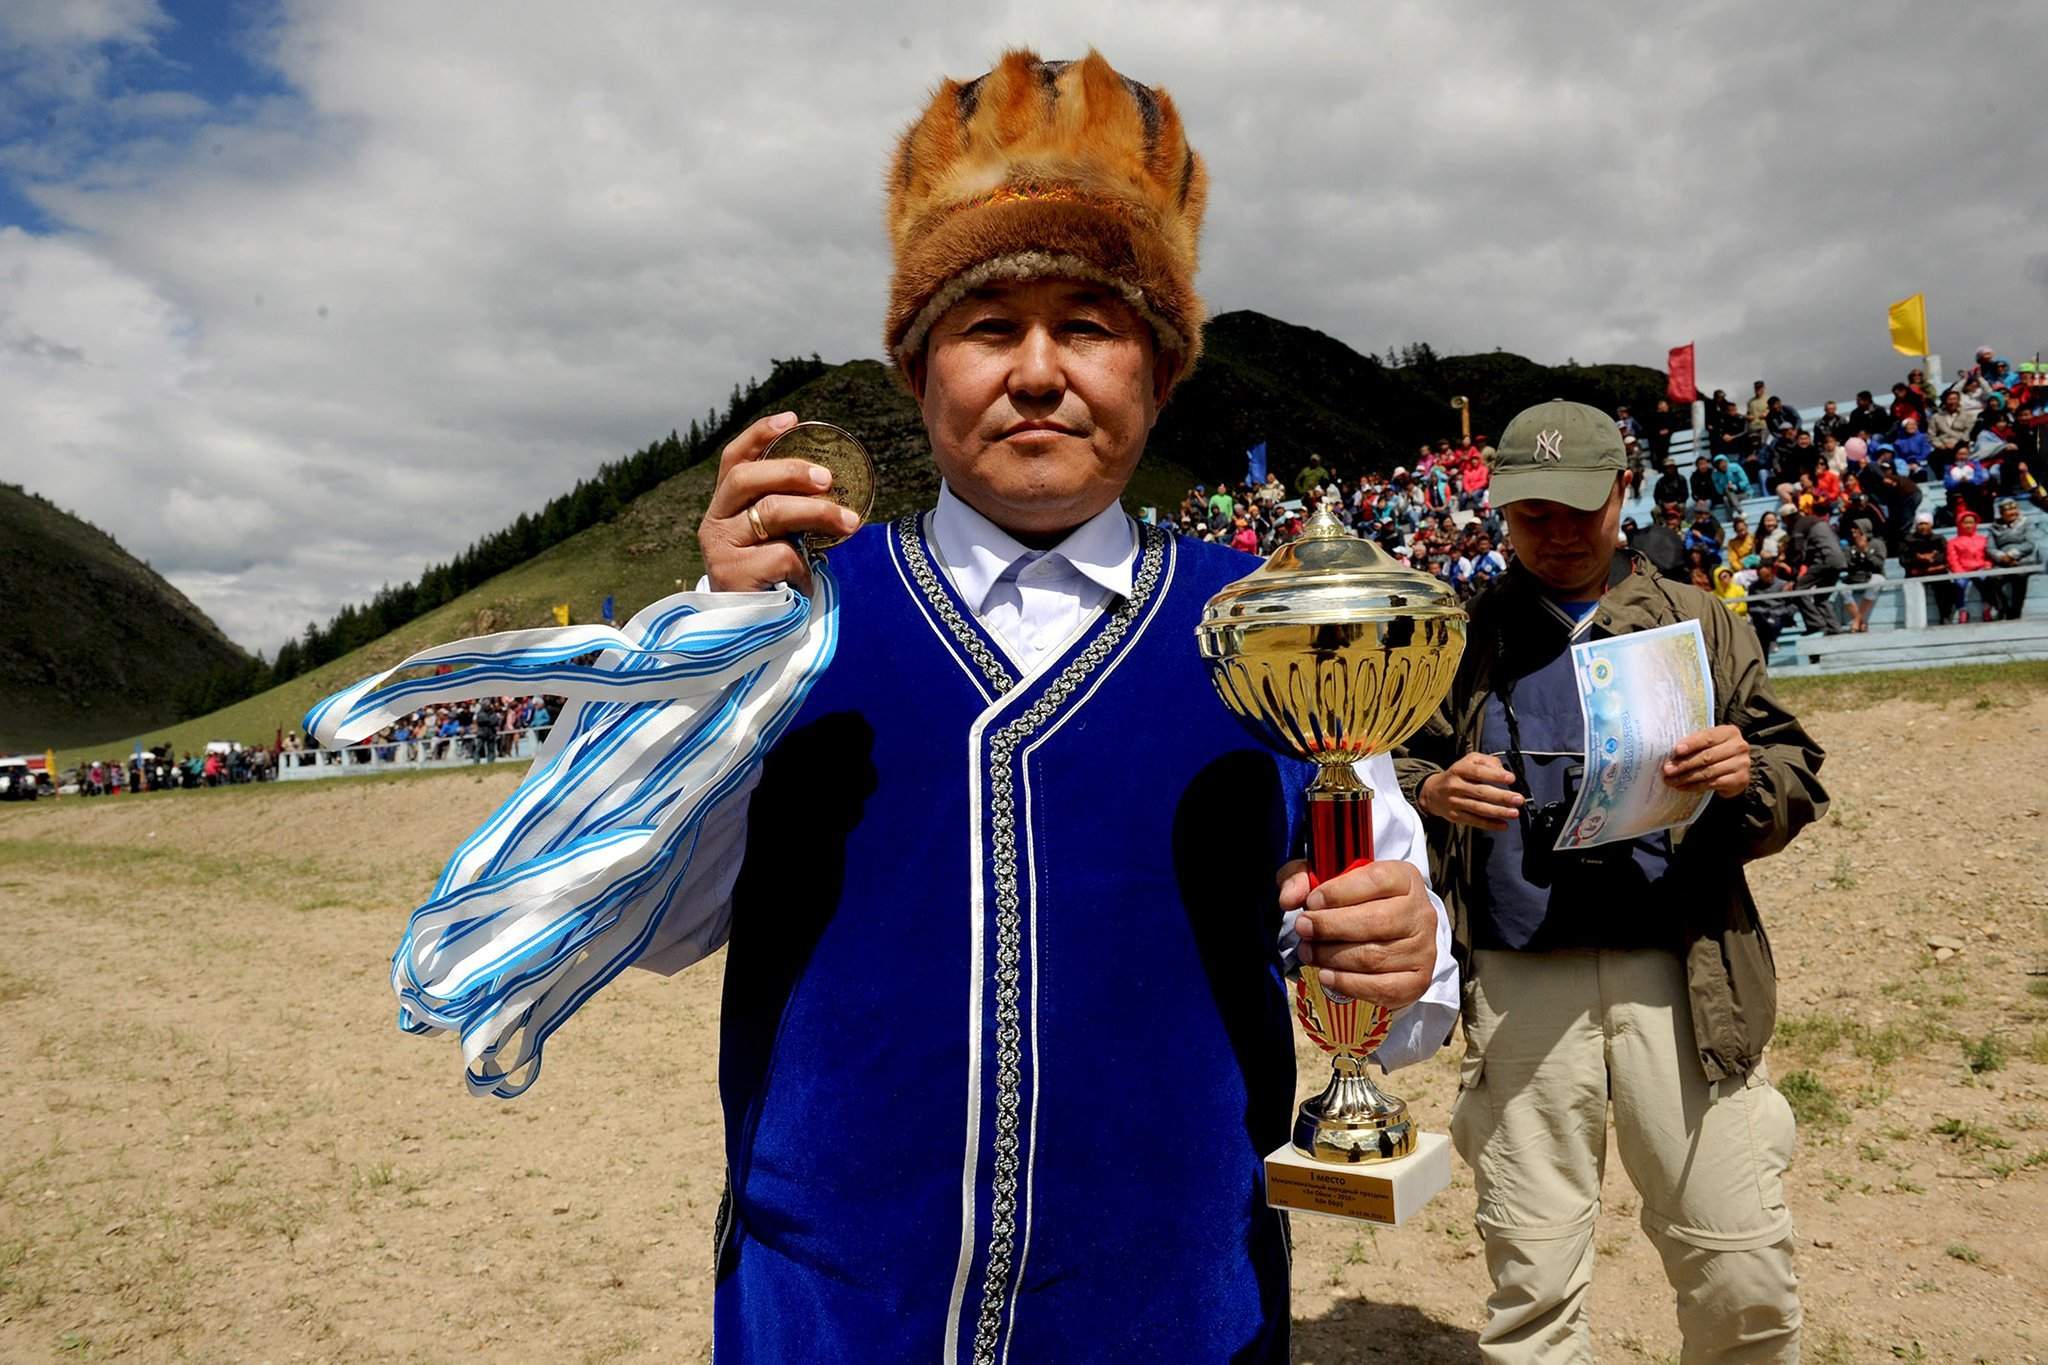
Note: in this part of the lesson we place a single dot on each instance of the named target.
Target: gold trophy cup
(1334, 651)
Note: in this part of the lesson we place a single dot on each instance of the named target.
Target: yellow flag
(1909, 326)
(561, 613)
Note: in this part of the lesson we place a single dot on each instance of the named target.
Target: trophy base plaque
(1384, 1192)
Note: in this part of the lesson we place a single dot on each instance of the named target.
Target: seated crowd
(1850, 490)
(1435, 516)
(1852, 493)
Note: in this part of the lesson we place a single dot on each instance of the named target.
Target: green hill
(93, 642)
(1297, 389)
(1303, 393)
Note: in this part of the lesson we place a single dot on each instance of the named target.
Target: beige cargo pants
(1553, 1039)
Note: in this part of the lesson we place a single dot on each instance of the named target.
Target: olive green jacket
(1730, 973)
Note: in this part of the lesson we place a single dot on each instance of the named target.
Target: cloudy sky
(295, 298)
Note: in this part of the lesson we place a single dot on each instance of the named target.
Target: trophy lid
(1328, 576)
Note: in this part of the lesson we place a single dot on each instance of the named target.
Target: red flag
(1681, 388)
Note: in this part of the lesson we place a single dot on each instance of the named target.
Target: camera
(1542, 824)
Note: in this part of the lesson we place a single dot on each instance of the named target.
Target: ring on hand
(761, 535)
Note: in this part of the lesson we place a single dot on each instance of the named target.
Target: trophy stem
(1352, 1120)
(1339, 822)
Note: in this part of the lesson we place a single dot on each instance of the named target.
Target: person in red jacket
(1968, 554)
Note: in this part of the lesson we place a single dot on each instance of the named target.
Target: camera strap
(1506, 692)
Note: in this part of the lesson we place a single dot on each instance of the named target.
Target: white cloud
(292, 351)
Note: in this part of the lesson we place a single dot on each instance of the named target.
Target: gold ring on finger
(761, 535)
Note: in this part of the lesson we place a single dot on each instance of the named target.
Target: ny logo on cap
(1550, 445)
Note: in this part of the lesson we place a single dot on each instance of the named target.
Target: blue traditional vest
(1004, 1032)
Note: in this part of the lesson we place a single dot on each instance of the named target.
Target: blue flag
(1255, 463)
(607, 609)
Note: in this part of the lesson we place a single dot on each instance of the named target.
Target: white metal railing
(408, 755)
(1913, 605)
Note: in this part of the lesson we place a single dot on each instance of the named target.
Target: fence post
(1914, 600)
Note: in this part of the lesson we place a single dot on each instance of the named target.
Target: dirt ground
(214, 1145)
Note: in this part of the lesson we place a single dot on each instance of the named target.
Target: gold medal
(853, 472)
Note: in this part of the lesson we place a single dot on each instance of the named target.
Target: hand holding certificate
(1653, 755)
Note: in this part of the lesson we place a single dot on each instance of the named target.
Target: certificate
(1639, 695)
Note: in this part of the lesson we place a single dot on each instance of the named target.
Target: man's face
(1038, 397)
(1565, 548)
(1910, 425)
(2009, 514)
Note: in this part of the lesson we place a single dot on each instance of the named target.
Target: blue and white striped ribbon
(567, 882)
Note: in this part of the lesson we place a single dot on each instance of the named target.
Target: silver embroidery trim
(911, 538)
(1003, 746)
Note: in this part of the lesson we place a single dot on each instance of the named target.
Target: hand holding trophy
(1334, 652)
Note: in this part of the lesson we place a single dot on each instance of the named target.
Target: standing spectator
(487, 719)
(1968, 556)
(1907, 402)
(1312, 476)
(1899, 497)
(1663, 545)
(1222, 506)
(1817, 555)
(1573, 995)
(1758, 420)
(1865, 562)
(1727, 433)
(1778, 413)
(1831, 424)
(1663, 424)
(2011, 544)
(1866, 419)
(1782, 457)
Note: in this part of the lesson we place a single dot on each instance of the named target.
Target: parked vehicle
(18, 781)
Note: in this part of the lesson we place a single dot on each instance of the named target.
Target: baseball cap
(1560, 452)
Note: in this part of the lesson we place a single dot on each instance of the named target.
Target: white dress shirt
(1034, 602)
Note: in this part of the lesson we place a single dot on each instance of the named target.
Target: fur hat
(1046, 170)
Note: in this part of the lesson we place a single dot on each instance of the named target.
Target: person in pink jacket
(1967, 554)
